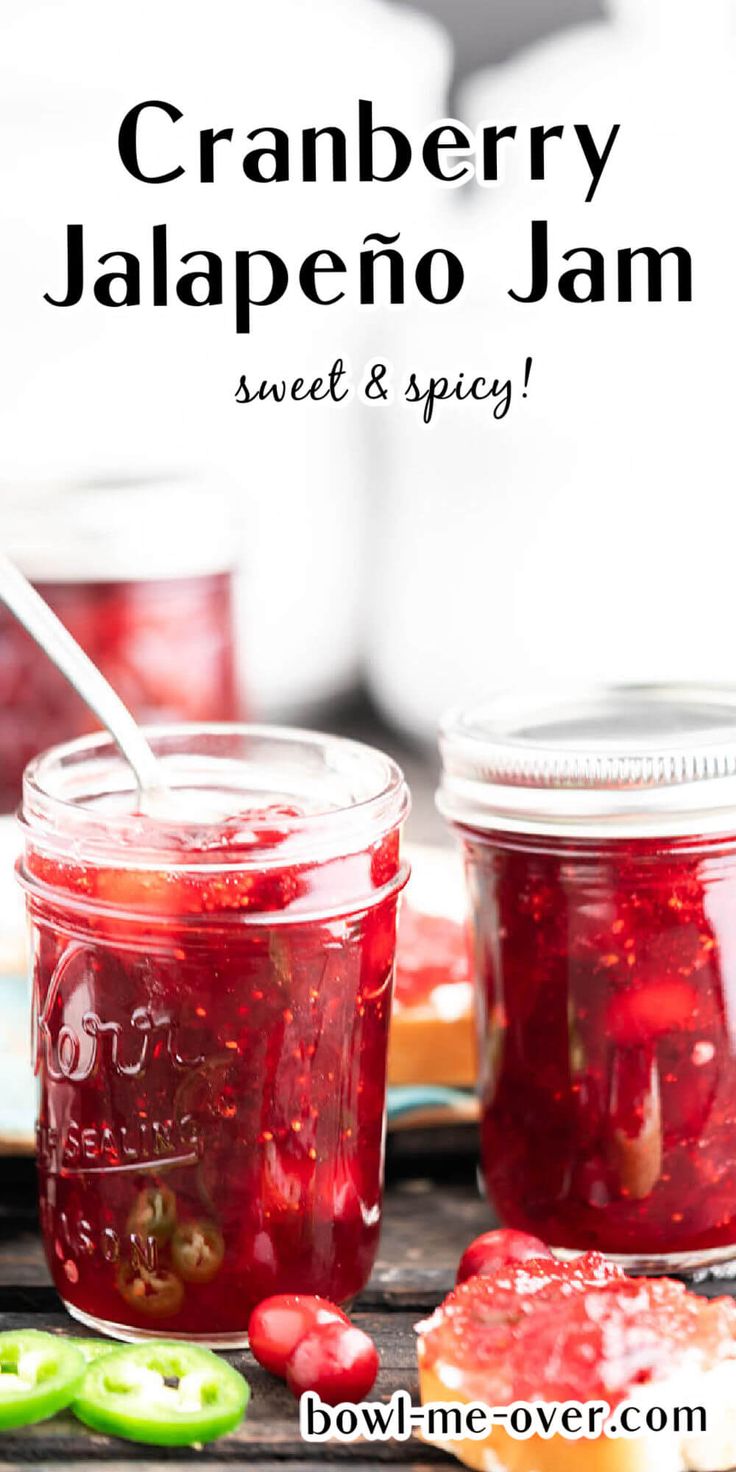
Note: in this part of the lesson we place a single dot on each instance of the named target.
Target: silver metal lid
(618, 760)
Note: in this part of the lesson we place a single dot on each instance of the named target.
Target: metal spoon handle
(56, 641)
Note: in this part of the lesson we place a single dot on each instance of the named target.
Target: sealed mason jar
(599, 834)
(211, 1008)
(140, 572)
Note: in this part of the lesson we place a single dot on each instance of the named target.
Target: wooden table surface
(432, 1210)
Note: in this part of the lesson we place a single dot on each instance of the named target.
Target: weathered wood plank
(425, 1230)
(178, 1461)
(87, 1450)
(270, 1431)
(174, 1463)
(426, 1226)
(270, 1434)
(356, 1459)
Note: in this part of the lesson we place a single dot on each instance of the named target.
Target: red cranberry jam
(211, 1009)
(600, 845)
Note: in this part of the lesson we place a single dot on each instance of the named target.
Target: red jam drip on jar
(432, 951)
(212, 1094)
(608, 976)
(165, 645)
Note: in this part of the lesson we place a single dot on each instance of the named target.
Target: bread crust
(669, 1451)
(427, 1049)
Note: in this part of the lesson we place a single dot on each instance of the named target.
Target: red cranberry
(279, 1323)
(337, 1361)
(493, 1248)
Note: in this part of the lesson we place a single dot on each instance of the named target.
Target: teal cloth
(412, 1098)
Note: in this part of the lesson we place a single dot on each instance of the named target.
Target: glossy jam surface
(165, 645)
(608, 1047)
(211, 1092)
(572, 1332)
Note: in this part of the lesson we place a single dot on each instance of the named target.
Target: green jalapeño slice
(165, 1394)
(40, 1374)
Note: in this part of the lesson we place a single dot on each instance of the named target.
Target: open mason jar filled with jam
(140, 572)
(212, 996)
(599, 835)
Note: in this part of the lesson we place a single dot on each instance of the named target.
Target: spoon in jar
(31, 610)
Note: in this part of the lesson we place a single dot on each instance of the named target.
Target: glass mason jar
(211, 1009)
(599, 834)
(140, 572)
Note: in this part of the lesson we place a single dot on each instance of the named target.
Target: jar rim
(364, 797)
(594, 761)
(88, 530)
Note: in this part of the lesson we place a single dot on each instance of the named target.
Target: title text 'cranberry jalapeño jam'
(211, 1009)
(599, 833)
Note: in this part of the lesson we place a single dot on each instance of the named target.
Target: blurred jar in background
(303, 478)
(139, 572)
(558, 533)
